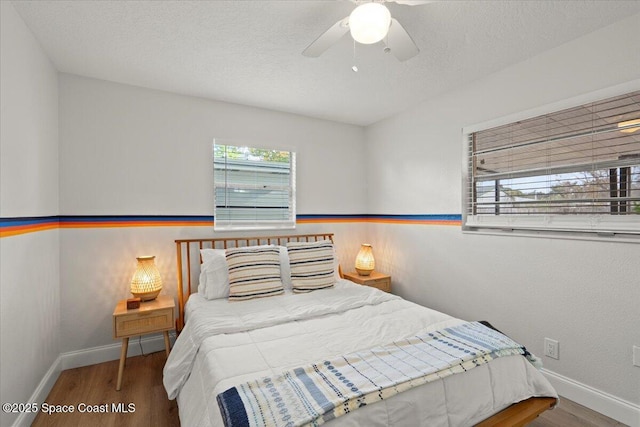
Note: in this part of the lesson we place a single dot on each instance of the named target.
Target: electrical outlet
(551, 348)
(636, 355)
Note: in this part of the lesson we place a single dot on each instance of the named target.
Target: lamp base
(146, 296)
(363, 272)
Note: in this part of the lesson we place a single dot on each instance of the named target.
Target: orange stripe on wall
(24, 229)
(31, 225)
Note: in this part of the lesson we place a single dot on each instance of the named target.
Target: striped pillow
(254, 272)
(312, 265)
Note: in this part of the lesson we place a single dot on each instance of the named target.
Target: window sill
(554, 234)
(253, 227)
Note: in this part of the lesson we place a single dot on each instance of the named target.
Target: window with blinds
(254, 188)
(572, 170)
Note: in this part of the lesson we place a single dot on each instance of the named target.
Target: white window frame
(255, 224)
(599, 226)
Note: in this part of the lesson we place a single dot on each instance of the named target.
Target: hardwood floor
(570, 414)
(96, 385)
(142, 386)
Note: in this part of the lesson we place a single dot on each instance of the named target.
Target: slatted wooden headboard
(188, 257)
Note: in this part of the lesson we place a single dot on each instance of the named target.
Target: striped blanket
(314, 394)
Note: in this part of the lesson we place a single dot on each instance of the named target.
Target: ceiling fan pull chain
(355, 67)
(386, 49)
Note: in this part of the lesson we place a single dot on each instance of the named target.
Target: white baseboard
(40, 394)
(105, 353)
(86, 357)
(613, 407)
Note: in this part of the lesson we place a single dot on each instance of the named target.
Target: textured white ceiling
(249, 52)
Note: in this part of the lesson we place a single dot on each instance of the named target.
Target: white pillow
(285, 268)
(336, 264)
(214, 272)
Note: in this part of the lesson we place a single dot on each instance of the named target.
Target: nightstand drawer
(143, 322)
(382, 284)
(375, 280)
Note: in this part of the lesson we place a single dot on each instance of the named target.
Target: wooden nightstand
(152, 316)
(375, 280)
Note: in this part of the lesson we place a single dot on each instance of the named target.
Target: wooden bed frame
(188, 257)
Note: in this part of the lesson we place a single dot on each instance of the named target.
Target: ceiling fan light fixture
(369, 23)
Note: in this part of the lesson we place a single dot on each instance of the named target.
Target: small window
(572, 170)
(254, 188)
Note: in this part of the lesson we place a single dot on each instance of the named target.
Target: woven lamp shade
(146, 283)
(365, 263)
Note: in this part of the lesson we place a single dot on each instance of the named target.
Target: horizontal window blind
(575, 169)
(254, 188)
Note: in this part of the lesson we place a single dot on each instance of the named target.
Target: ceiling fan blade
(412, 2)
(327, 39)
(400, 42)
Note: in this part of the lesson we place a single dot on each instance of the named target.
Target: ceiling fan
(370, 22)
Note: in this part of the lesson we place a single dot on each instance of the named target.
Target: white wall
(29, 266)
(126, 150)
(585, 294)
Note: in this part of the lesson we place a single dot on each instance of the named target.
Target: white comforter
(227, 343)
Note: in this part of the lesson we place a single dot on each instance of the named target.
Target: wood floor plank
(570, 414)
(142, 386)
